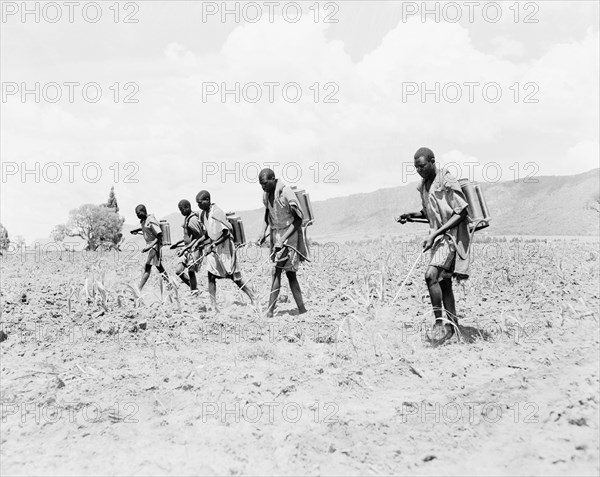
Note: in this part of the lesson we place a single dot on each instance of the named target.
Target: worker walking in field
(152, 233)
(283, 215)
(221, 256)
(445, 207)
(193, 237)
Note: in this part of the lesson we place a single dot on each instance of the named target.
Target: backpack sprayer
(237, 228)
(237, 232)
(478, 212)
(478, 217)
(308, 219)
(307, 213)
(165, 228)
(305, 205)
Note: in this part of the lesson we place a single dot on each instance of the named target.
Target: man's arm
(456, 200)
(135, 231)
(156, 243)
(408, 217)
(195, 244)
(452, 222)
(293, 228)
(262, 237)
(292, 202)
(176, 245)
(224, 236)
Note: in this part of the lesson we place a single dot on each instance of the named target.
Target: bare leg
(245, 288)
(448, 299)
(439, 291)
(180, 271)
(163, 275)
(145, 276)
(212, 289)
(162, 271)
(193, 281)
(296, 291)
(275, 287)
(435, 291)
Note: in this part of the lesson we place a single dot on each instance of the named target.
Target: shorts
(223, 263)
(287, 258)
(443, 255)
(191, 260)
(154, 257)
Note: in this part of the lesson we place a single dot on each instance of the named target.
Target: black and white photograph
(312, 237)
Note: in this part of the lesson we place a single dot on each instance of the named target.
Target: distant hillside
(555, 205)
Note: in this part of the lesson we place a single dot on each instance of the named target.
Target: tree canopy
(98, 225)
(4, 240)
(112, 200)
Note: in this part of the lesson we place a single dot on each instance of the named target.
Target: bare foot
(440, 333)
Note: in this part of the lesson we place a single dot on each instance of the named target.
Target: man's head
(203, 200)
(185, 207)
(141, 212)
(267, 180)
(425, 163)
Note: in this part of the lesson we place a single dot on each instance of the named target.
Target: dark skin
(191, 282)
(440, 291)
(268, 185)
(204, 204)
(156, 243)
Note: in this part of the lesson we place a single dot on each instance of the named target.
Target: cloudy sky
(339, 106)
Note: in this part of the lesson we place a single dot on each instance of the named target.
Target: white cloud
(507, 47)
(176, 52)
(582, 157)
(368, 134)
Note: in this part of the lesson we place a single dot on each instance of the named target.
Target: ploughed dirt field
(97, 381)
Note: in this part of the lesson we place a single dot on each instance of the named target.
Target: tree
(112, 200)
(595, 204)
(59, 233)
(4, 240)
(96, 224)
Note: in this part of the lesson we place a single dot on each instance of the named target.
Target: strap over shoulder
(186, 221)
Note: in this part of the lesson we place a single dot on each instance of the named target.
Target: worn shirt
(440, 202)
(215, 222)
(150, 228)
(192, 228)
(443, 199)
(223, 262)
(281, 216)
(280, 211)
